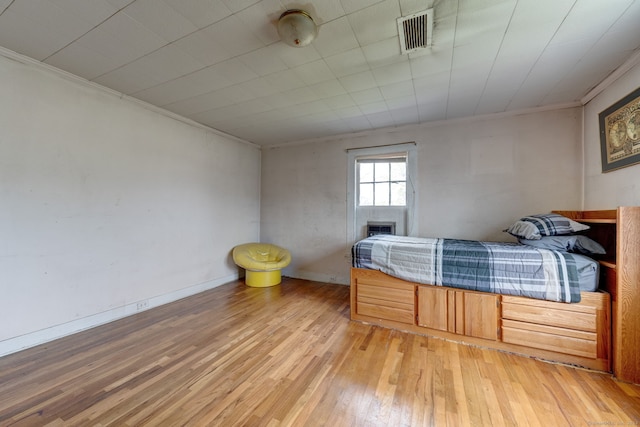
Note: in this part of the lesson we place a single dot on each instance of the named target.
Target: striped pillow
(535, 226)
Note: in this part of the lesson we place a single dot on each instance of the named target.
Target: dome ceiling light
(296, 28)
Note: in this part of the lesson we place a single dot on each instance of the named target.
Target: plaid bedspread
(503, 268)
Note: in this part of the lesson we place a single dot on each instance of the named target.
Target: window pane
(398, 171)
(366, 194)
(382, 172)
(382, 193)
(366, 172)
(398, 194)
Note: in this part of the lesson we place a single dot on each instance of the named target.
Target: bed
(503, 268)
(519, 298)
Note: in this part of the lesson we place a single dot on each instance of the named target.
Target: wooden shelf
(608, 264)
(597, 220)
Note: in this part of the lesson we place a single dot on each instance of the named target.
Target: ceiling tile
(351, 6)
(285, 80)
(335, 37)
(119, 4)
(241, 42)
(91, 12)
(324, 11)
(203, 46)
(295, 57)
(393, 73)
(488, 22)
(376, 23)
(358, 81)
(591, 15)
(238, 5)
(160, 18)
(432, 89)
(381, 119)
(261, 19)
(21, 35)
(384, 52)
(503, 83)
(328, 89)
(433, 63)
(169, 92)
(301, 95)
(234, 71)
(405, 116)
(167, 63)
(314, 72)
(432, 112)
(373, 107)
(64, 23)
(200, 103)
(259, 87)
(346, 63)
(201, 12)
(398, 90)
(340, 101)
(120, 29)
(81, 61)
(367, 96)
(264, 61)
(127, 81)
(401, 103)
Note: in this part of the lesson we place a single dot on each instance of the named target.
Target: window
(382, 181)
(399, 188)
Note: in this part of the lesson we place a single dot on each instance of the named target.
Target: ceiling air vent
(415, 31)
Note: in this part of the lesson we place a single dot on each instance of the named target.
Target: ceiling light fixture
(296, 28)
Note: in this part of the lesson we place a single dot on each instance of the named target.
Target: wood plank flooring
(290, 356)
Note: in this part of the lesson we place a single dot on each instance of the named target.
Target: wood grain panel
(386, 312)
(626, 319)
(481, 315)
(551, 317)
(402, 295)
(560, 344)
(551, 330)
(433, 307)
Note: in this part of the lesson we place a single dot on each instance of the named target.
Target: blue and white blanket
(503, 268)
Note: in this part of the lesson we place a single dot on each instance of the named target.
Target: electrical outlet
(142, 305)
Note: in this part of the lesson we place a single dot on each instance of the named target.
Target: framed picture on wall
(620, 133)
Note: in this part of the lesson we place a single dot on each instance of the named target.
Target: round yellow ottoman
(262, 262)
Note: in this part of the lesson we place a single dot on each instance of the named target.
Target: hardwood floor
(289, 356)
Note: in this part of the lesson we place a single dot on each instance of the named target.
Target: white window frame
(396, 158)
(352, 192)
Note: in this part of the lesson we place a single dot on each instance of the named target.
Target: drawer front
(404, 296)
(545, 341)
(392, 303)
(550, 317)
(402, 315)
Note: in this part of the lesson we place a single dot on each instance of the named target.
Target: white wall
(474, 178)
(616, 188)
(104, 203)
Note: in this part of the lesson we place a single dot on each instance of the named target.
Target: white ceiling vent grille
(415, 31)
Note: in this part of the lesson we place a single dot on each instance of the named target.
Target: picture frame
(620, 133)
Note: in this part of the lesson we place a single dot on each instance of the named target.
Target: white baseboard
(42, 336)
(319, 277)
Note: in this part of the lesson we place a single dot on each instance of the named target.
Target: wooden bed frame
(601, 332)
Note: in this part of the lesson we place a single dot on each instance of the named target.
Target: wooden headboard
(618, 231)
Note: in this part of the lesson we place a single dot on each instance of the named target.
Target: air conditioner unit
(380, 227)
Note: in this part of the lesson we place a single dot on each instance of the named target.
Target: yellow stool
(262, 262)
